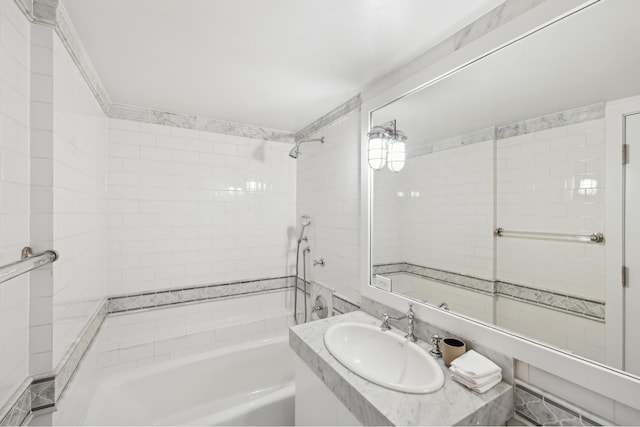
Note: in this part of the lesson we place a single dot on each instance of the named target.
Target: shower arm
(295, 150)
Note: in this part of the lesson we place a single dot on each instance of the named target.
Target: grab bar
(583, 238)
(29, 261)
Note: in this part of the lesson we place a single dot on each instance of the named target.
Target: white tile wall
(189, 207)
(459, 300)
(79, 201)
(41, 197)
(328, 189)
(440, 207)
(553, 181)
(14, 193)
(593, 402)
(576, 334)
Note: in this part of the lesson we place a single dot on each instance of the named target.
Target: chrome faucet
(410, 316)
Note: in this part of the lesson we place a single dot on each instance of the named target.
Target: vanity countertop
(372, 404)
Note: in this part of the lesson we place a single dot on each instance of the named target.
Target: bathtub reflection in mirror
(515, 140)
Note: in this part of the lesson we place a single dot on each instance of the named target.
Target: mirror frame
(599, 378)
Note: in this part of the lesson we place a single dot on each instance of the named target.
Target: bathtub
(245, 384)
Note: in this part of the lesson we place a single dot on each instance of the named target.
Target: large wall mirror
(499, 211)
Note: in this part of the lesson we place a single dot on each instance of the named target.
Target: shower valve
(319, 262)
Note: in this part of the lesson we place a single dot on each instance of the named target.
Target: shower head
(295, 151)
(305, 220)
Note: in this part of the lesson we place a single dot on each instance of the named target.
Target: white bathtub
(245, 384)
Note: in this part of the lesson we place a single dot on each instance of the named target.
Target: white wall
(538, 189)
(189, 207)
(439, 211)
(79, 201)
(14, 193)
(328, 190)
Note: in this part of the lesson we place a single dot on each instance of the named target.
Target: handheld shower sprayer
(295, 151)
(305, 220)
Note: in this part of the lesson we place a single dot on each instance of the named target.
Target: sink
(384, 358)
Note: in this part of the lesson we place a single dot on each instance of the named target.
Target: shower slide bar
(582, 238)
(29, 261)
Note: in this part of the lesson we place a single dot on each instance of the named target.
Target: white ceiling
(274, 63)
(589, 57)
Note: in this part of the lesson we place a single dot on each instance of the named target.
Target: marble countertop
(372, 404)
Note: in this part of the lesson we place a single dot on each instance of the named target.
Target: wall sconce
(386, 147)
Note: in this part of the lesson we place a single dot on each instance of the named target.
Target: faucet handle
(411, 313)
(435, 351)
(385, 322)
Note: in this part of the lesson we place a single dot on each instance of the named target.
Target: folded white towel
(480, 389)
(472, 364)
(475, 381)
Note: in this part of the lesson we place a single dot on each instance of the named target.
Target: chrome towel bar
(583, 238)
(29, 261)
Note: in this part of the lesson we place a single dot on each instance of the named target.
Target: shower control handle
(319, 262)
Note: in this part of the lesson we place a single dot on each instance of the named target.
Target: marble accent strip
(43, 393)
(549, 121)
(579, 306)
(342, 305)
(130, 302)
(44, 11)
(17, 408)
(450, 278)
(205, 124)
(72, 358)
(594, 310)
(71, 41)
(474, 137)
(331, 117)
(542, 409)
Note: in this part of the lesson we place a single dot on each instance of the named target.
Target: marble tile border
(578, 306)
(474, 137)
(163, 298)
(591, 309)
(450, 278)
(43, 393)
(549, 121)
(331, 117)
(205, 124)
(18, 406)
(72, 358)
(71, 41)
(543, 409)
(342, 305)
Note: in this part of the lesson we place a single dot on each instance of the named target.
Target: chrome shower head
(295, 151)
(305, 220)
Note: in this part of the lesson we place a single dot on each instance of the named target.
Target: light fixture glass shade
(396, 154)
(377, 150)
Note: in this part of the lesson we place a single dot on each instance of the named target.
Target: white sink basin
(384, 358)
